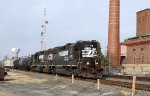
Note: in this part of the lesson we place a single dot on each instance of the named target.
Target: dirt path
(20, 83)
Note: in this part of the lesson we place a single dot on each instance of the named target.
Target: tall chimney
(113, 34)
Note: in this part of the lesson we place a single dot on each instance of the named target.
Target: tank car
(2, 73)
(22, 63)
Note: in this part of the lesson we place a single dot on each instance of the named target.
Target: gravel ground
(19, 83)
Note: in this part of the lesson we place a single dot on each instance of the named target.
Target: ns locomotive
(80, 58)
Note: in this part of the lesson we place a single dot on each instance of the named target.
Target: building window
(134, 55)
(142, 55)
(140, 21)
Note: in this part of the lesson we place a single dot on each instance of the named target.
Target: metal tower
(44, 29)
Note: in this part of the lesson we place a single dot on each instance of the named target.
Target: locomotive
(80, 58)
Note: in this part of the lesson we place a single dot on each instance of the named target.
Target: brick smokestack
(113, 33)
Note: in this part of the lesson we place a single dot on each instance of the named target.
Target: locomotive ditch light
(96, 63)
(87, 63)
(91, 45)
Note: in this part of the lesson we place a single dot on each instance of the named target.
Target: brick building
(137, 57)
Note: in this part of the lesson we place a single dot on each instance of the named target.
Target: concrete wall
(140, 69)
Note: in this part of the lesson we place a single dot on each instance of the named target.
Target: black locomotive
(80, 58)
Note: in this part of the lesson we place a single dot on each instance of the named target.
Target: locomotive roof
(59, 48)
(86, 41)
(63, 47)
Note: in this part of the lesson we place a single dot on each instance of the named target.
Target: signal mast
(44, 29)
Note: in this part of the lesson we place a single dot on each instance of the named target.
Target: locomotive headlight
(87, 63)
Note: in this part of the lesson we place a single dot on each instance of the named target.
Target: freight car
(3, 70)
(80, 58)
(22, 63)
(2, 73)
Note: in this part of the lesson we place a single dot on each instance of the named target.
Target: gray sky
(69, 21)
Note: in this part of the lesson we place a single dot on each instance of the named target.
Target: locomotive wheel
(41, 69)
(53, 70)
(99, 75)
(34, 69)
(49, 70)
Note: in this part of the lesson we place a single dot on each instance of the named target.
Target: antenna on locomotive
(44, 28)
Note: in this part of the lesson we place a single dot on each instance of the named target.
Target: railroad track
(116, 83)
(109, 82)
(146, 79)
(125, 84)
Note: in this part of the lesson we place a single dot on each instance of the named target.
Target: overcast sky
(69, 21)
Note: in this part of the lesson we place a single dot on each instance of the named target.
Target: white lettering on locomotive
(89, 52)
(63, 53)
(41, 57)
(50, 57)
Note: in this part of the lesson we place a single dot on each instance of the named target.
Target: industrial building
(135, 51)
(133, 56)
(8, 62)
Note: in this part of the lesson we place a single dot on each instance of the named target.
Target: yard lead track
(147, 79)
(125, 84)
